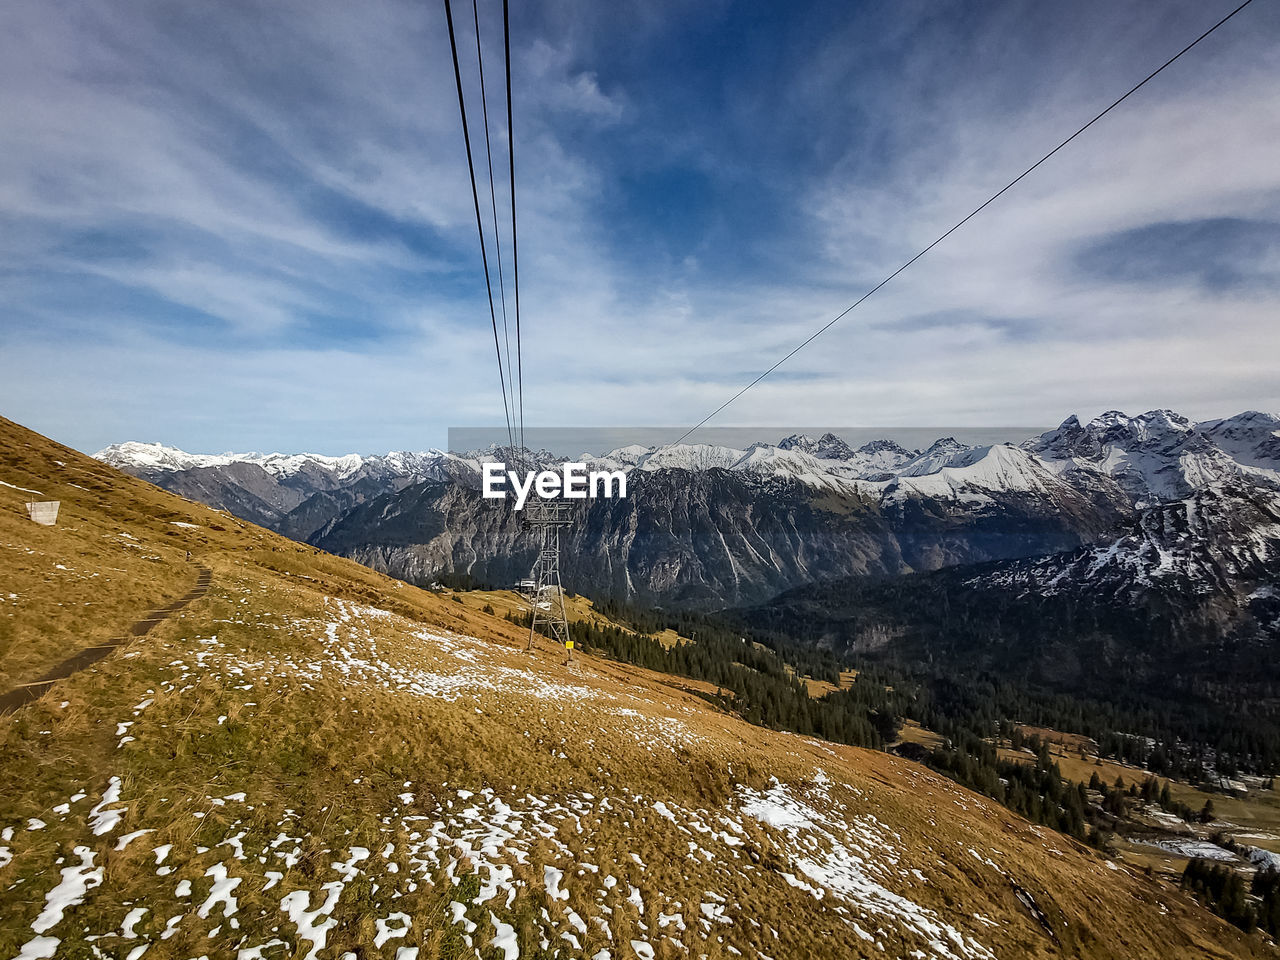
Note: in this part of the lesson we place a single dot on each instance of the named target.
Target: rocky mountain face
(1221, 541)
(678, 537)
(1161, 456)
(713, 525)
(716, 537)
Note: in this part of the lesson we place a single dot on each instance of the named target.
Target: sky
(249, 225)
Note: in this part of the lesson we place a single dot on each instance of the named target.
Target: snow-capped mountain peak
(945, 452)
(874, 447)
(826, 447)
(1161, 455)
(1251, 438)
(690, 456)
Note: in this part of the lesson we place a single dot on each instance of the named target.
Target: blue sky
(249, 226)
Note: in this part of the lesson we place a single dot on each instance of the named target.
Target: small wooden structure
(44, 512)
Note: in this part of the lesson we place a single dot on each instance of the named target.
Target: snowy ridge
(947, 452)
(134, 454)
(159, 458)
(1001, 468)
(1161, 455)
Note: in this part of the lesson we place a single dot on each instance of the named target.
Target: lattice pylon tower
(547, 600)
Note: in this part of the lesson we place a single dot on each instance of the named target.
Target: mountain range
(282, 492)
(712, 525)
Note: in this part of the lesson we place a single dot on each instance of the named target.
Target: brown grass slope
(314, 759)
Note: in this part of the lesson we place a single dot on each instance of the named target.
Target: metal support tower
(547, 600)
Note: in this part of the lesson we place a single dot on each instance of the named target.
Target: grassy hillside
(314, 759)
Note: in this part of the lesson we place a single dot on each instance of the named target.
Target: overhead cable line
(844, 313)
(515, 246)
(493, 202)
(475, 196)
